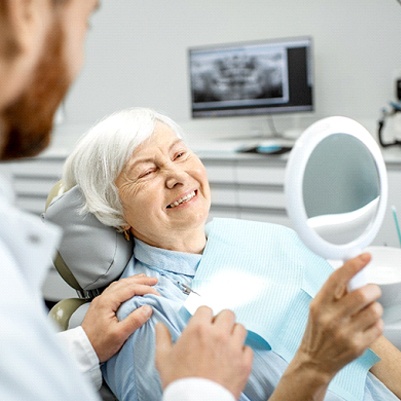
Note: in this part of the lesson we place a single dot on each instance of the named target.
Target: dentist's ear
(29, 20)
(23, 33)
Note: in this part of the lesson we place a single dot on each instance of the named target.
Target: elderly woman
(138, 175)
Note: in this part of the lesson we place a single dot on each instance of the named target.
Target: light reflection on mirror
(341, 188)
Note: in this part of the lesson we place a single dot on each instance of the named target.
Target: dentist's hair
(100, 156)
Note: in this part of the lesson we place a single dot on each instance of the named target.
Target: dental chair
(89, 257)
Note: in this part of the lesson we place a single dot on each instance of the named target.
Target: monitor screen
(272, 76)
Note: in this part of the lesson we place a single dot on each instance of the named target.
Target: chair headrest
(91, 255)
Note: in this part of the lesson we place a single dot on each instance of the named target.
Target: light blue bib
(267, 276)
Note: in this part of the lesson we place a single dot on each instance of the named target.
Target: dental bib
(267, 276)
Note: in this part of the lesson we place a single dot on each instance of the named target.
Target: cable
(272, 127)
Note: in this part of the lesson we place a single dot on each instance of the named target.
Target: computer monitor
(252, 78)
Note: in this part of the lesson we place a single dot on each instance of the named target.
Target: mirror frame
(293, 186)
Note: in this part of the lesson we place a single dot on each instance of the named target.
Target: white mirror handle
(358, 281)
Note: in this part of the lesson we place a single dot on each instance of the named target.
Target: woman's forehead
(163, 140)
(162, 137)
(164, 131)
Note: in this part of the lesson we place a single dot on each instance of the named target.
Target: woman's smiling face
(164, 191)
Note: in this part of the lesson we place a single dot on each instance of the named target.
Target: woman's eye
(146, 173)
(180, 155)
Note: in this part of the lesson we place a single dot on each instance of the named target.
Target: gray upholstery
(91, 255)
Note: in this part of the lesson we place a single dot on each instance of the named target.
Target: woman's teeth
(184, 199)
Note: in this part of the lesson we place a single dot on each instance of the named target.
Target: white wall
(136, 55)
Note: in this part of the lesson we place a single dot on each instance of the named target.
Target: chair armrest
(63, 310)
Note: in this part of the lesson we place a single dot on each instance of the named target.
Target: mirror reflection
(341, 188)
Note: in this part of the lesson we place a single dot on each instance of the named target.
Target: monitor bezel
(305, 40)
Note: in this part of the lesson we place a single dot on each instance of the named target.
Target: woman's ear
(125, 227)
(126, 232)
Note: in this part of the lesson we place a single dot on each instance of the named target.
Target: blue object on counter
(266, 149)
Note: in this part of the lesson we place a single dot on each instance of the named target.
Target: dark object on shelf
(395, 108)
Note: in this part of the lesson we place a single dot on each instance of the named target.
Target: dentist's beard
(27, 123)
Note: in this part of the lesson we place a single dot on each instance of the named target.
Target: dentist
(41, 52)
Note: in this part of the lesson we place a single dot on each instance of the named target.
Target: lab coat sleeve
(78, 345)
(196, 389)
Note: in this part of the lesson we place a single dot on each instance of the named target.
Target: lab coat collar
(31, 243)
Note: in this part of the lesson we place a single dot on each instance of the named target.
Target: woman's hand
(105, 332)
(209, 347)
(342, 324)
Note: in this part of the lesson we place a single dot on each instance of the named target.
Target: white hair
(100, 156)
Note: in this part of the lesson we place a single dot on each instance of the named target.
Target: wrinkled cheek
(147, 225)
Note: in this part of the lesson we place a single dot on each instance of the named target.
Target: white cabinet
(33, 179)
(388, 233)
(247, 186)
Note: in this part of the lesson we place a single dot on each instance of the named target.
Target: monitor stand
(261, 133)
(253, 140)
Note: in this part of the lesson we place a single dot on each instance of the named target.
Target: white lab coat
(196, 389)
(33, 364)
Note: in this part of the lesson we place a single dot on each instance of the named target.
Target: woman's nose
(174, 176)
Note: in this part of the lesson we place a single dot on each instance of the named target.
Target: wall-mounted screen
(271, 76)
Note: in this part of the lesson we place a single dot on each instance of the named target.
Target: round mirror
(336, 188)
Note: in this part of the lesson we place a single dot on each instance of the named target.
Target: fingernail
(373, 291)
(364, 257)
